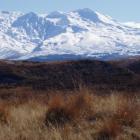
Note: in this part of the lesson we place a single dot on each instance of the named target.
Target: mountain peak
(88, 14)
(55, 14)
(85, 10)
(31, 14)
(25, 19)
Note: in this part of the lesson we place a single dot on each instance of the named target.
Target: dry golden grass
(82, 115)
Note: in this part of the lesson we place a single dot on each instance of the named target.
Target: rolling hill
(70, 75)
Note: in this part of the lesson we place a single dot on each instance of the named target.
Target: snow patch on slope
(132, 24)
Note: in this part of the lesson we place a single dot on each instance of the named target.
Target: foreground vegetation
(81, 114)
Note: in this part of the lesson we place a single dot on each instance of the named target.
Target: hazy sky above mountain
(122, 10)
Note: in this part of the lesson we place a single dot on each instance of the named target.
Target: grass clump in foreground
(80, 115)
(62, 110)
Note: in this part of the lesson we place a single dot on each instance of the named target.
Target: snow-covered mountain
(77, 34)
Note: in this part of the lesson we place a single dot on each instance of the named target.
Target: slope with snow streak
(81, 32)
(132, 24)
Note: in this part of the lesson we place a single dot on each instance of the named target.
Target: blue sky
(122, 10)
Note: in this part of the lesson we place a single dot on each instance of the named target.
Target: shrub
(127, 113)
(57, 116)
(109, 130)
(81, 106)
(4, 114)
(68, 109)
(57, 113)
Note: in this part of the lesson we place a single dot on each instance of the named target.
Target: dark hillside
(67, 75)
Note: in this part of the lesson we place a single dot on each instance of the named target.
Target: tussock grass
(67, 109)
(109, 129)
(4, 114)
(81, 115)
